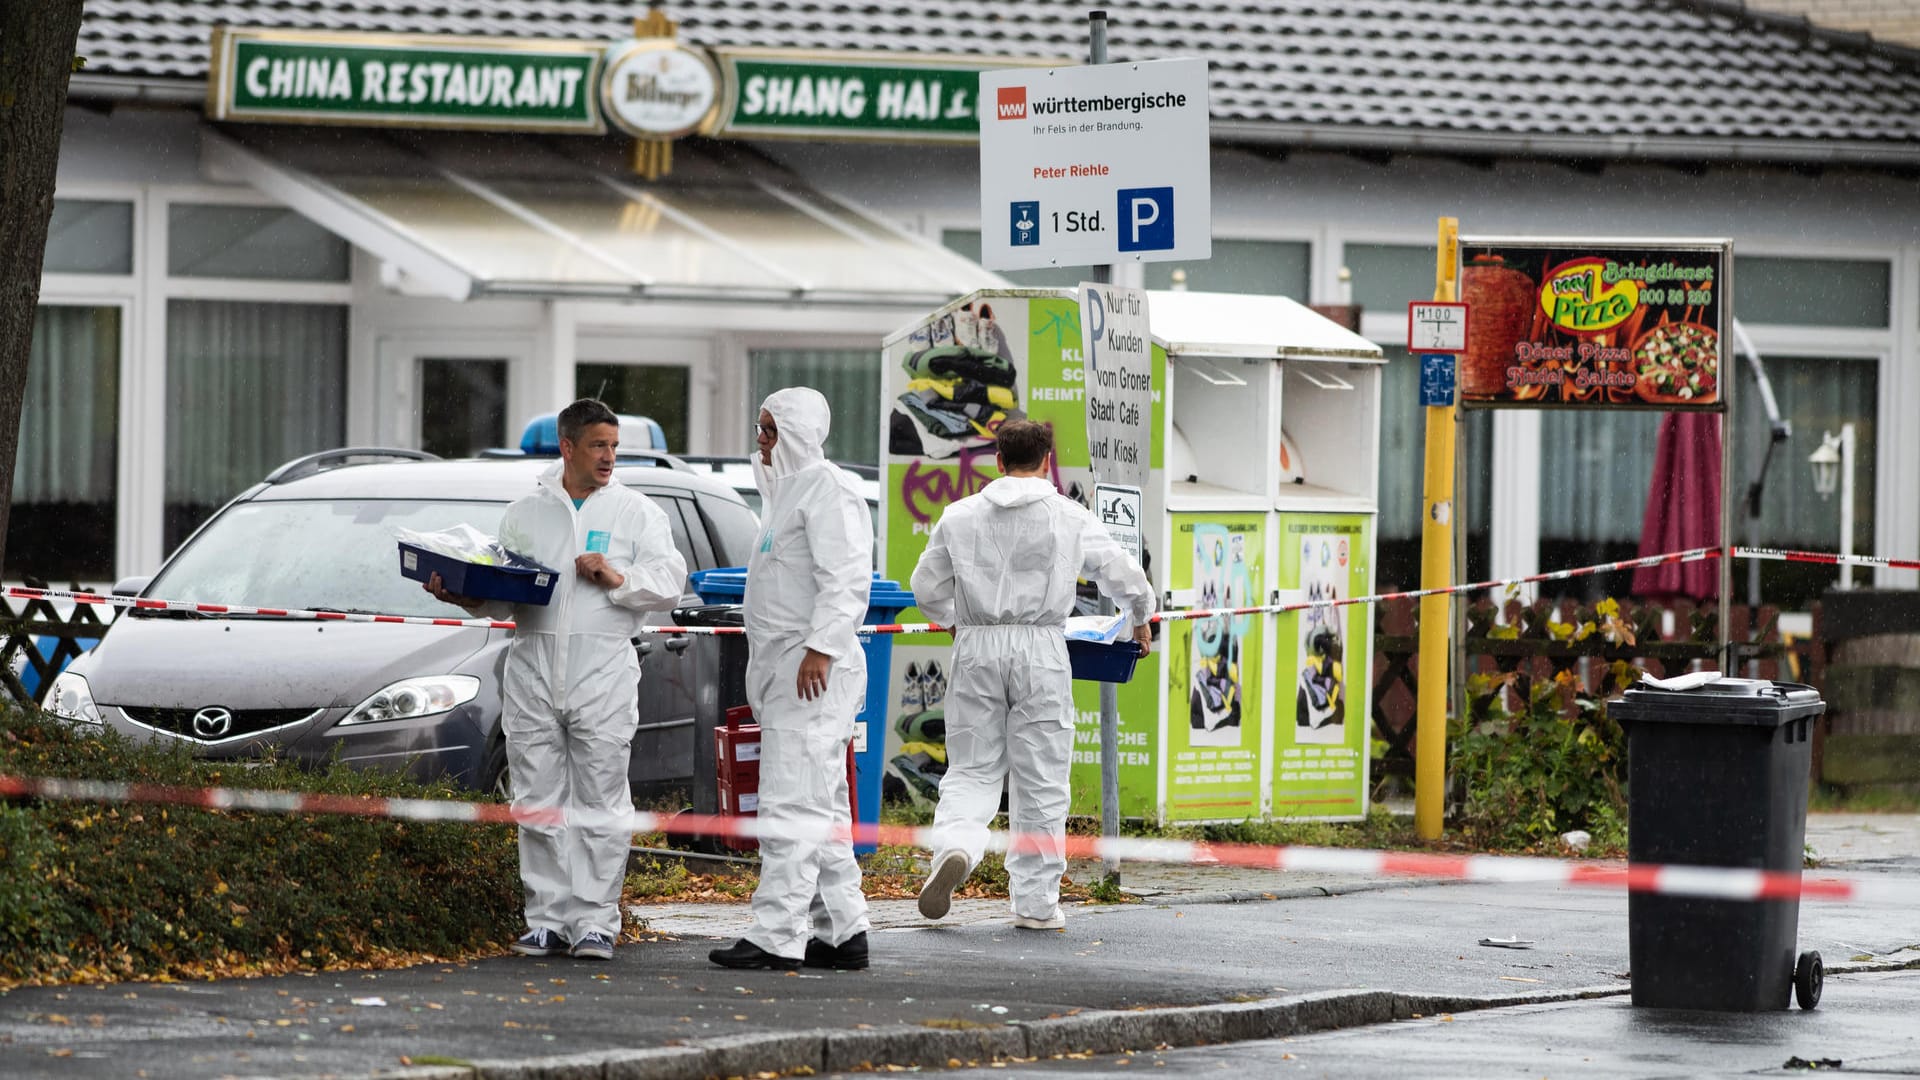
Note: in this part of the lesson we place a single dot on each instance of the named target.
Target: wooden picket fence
(1661, 639)
(36, 639)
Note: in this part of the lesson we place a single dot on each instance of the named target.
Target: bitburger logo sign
(659, 90)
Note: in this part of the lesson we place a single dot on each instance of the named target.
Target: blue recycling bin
(885, 602)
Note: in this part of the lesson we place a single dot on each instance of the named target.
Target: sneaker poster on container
(950, 380)
(1320, 760)
(1216, 715)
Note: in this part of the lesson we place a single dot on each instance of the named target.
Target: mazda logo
(212, 722)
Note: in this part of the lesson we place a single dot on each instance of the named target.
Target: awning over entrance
(469, 216)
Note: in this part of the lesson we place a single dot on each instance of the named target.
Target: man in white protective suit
(1000, 570)
(807, 589)
(571, 683)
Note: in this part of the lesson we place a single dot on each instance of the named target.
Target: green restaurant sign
(394, 80)
(852, 95)
(500, 84)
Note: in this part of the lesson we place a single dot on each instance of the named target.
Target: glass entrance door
(669, 380)
(463, 405)
(661, 392)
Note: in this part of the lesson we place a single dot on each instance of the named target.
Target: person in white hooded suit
(1000, 570)
(571, 682)
(807, 592)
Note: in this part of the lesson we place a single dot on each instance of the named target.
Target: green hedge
(93, 891)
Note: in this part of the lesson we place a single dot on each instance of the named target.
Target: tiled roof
(1673, 78)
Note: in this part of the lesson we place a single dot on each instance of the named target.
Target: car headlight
(70, 698)
(411, 698)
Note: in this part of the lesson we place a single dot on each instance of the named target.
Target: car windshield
(334, 554)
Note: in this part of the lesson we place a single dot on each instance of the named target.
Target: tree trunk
(36, 59)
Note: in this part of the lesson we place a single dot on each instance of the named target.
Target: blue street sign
(1436, 379)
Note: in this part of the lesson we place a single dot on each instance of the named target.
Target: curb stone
(907, 1045)
(1107, 1031)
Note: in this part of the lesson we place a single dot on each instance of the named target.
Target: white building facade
(218, 297)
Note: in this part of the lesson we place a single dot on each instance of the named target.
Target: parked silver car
(318, 534)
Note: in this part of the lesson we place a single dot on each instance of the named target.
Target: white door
(448, 396)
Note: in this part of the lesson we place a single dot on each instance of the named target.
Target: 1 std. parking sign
(1093, 165)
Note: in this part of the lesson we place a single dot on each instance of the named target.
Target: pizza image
(1677, 363)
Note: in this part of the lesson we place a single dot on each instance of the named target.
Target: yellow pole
(1436, 571)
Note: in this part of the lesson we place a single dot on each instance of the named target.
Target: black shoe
(745, 954)
(850, 955)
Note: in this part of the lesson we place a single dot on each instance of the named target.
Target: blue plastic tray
(728, 585)
(1094, 662)
(520, 582)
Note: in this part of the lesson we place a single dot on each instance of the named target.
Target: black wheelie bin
(724, 689)
(1717, 776)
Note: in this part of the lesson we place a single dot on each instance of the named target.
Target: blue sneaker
(593, 946)
(540, 943)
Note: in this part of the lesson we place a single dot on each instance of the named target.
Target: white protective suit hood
(803, 418)
(1010, 491)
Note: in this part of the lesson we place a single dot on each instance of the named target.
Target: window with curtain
(1403, 452)
(1595, 469)
(850, 378)
(250, 386)
(86, 236)
(61, 523)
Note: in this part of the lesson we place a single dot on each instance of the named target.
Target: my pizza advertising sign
(1595, 323)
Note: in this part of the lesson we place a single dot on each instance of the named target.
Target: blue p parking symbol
(1146, 219)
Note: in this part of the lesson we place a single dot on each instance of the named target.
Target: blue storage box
(1095, 662)
(521, 581)
(720, 585)
(885, 602)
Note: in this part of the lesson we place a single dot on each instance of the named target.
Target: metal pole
(1109, 692)
(1723, 572)
(1846, 505)
(1438, 530)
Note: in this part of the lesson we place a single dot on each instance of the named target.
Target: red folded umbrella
(1683, 508)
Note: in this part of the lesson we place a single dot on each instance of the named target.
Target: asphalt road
(973, 971)
(1865, 1022)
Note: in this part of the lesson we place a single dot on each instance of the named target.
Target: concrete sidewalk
(1180, 968)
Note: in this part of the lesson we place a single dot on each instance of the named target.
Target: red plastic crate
(736, 754)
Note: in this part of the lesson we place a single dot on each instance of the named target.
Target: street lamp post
(1833, 466)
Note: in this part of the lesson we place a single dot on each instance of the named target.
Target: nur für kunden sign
(1117, 348)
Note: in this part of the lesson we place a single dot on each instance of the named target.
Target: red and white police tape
(140, 603)
(1720, 883)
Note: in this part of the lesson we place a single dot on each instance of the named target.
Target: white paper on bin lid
(1694, 680)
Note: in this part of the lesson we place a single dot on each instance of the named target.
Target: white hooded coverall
(1000, 570)
(572, 692)
(807, 588)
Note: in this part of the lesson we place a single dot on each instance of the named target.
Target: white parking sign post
(1095, 165)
